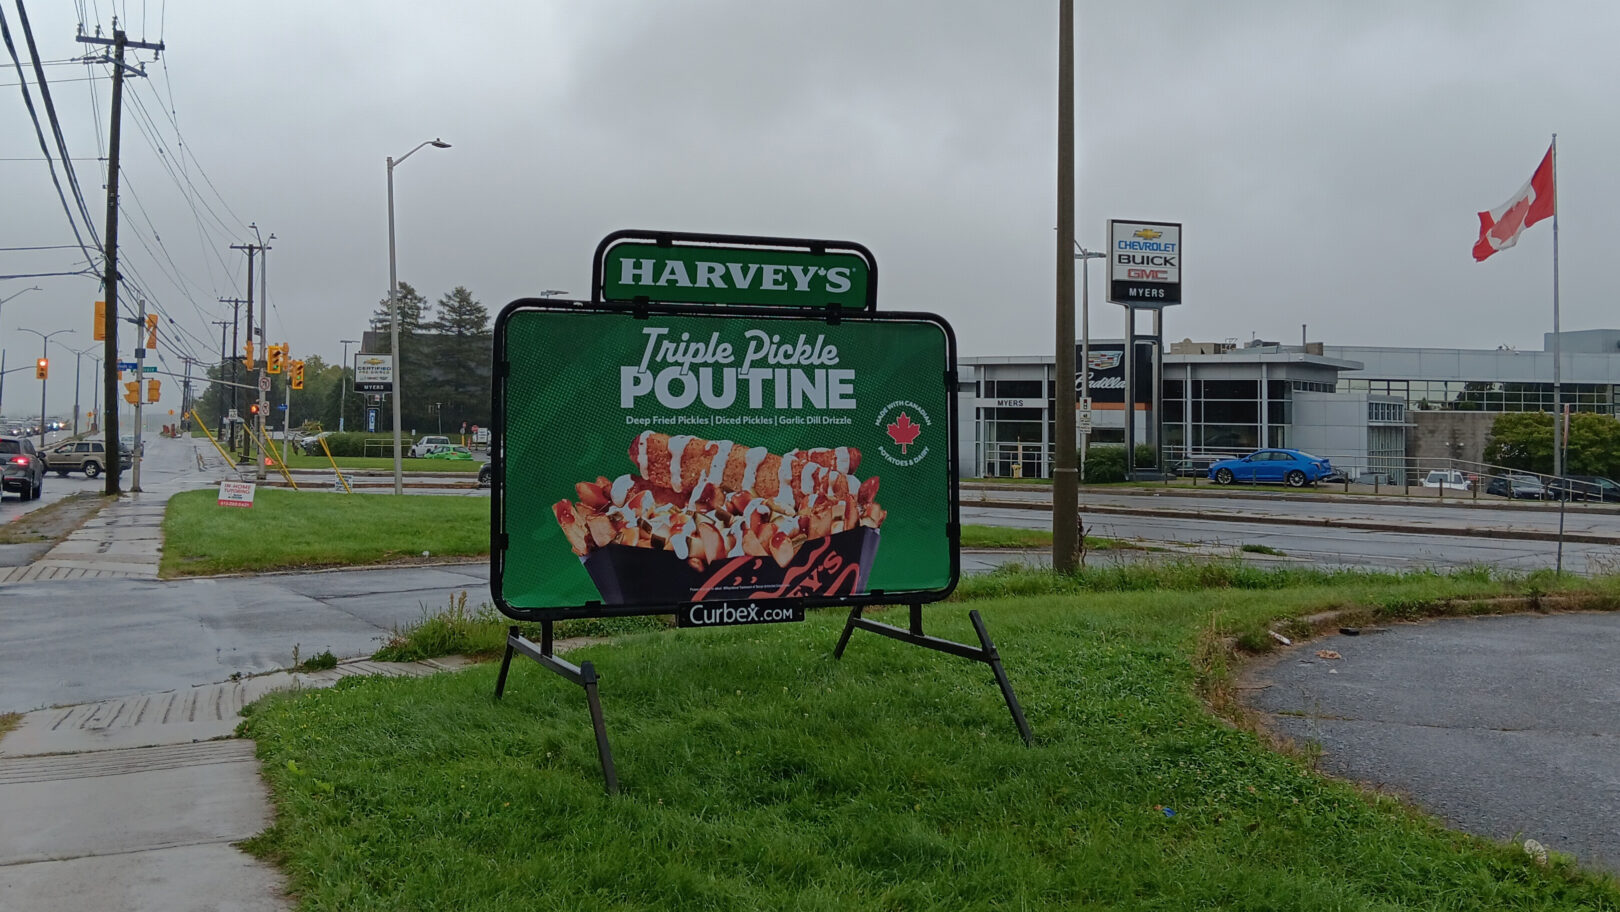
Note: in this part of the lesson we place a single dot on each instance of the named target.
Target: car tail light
(19, 460)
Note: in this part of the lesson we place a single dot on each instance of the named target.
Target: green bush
(1145, 455)
(1104, 464)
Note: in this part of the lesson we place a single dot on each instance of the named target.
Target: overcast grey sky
(1327, 159)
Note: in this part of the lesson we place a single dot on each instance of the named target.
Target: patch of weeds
(319, 662)
(1262, 549)
(459, 629)
(9, 721)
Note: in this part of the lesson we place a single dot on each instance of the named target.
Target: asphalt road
(1321, 544)
(1505, 727)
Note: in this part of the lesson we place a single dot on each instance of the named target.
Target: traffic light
(152, 390)
(151, 330)
(132, 392)
(253, 408)
(275, 358)
(42, 368)
(100, 329)
(297, 375)
(247, 357)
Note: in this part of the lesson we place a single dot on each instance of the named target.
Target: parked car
(1518, 487)
(1375, 478)
(486, 474)
(1447, 478)
(1585, 487)
(425, 445)
(127, 443)
(1290, 467)
(87, 456)
(448, 451)
(1193, 466)
(22, 470)
(311, 445)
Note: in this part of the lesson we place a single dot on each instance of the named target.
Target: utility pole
(140, 396)
(236, 346)
(109, 377)
(343, 381)
(1066, 541)
(264, 334)
(252, 251)
(224, 353)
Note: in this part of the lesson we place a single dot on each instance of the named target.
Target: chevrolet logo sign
(1148, 234)
(374, 361)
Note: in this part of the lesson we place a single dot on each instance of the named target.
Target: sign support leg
(985, 652)
(583, 674)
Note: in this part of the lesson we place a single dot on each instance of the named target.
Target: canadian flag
(1500, 228)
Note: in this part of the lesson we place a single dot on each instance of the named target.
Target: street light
(45, 340)
(2, 375)
(1085, 257)
(343, 382)
(393, 308)
(77, 362)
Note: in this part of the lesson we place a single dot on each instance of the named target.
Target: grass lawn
(759, 773)
(286, 530)
(301, 529)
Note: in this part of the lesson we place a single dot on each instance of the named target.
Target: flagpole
(1560, 434)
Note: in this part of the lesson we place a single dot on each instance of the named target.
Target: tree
(1594, 444)
(1522, 440)
(412, 316)
(462, 350)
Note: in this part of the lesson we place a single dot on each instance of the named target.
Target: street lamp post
(393, 308)
(44, 344)
(1085, 257)
(343, 381)
(2, 373)
(78, 358)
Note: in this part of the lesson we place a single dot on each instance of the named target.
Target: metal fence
(1442, 479)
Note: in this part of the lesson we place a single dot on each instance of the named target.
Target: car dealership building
(1367, 408)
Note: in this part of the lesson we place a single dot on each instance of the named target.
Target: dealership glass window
(1231, 389)
(1279, 413)
(1173, 389)
(1276, 389)
(1226, 436)
(1228, 412)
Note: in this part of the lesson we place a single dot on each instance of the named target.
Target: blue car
(1289, 467)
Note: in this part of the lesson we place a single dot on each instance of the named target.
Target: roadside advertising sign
(1144, 263)
(728, 465)
(236, 493)
(672, 267)
(371, 419)
(373, 373)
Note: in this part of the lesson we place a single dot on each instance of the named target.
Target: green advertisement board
(741, 460)
(684, 268)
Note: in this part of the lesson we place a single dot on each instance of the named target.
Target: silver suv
(21, 468)
(87, 456)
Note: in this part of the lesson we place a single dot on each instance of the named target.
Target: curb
(1362, 525)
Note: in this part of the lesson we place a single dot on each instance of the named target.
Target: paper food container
(837, 564)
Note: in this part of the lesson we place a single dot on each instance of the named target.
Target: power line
(28, 101)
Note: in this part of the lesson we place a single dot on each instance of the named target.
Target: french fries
(709, 501)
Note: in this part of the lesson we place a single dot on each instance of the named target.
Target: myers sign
(721, 269)
(1144, 263)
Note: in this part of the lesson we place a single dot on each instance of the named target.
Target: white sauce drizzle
(642, 440)
(784, 474)
(717, 467)
(756, 455)
(677, 447)
(621, 488)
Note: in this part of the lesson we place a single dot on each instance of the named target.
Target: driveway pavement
(1504, 727)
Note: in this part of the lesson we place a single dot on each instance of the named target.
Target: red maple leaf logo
(904, 431)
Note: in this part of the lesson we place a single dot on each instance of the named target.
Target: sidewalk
(136, 803)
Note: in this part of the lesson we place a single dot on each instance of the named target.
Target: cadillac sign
(1144, 263)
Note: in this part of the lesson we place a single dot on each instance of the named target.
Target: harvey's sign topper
(689, 268)
(1144, 263)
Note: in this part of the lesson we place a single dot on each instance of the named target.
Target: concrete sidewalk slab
(180, 716)
(127, 804)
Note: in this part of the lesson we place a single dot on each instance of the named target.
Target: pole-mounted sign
(1144, 263)
(687, 268)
